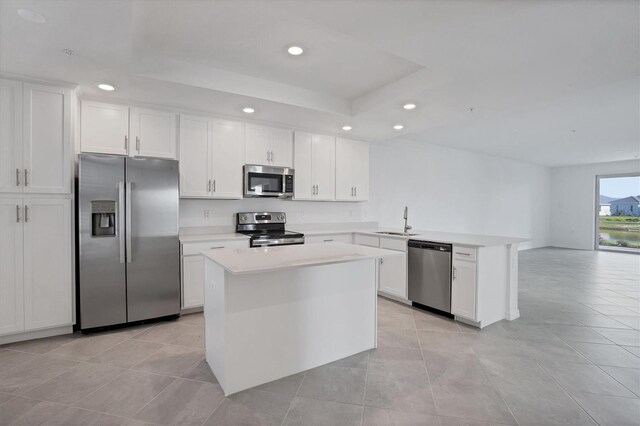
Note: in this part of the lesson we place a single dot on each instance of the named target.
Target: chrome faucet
(406, 215)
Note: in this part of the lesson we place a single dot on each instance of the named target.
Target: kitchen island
(276, 311)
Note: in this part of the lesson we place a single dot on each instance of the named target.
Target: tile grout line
(293, 399)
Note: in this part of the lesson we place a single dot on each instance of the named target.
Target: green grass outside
(620, 224)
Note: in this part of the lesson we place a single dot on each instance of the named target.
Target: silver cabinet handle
(209, 185)
(454, 272)
(463, 254)
(327, 241)
(214, 185)
(352, 191)
(17, 177)
(381, 261)
(126, 142)
(138, 144)
(268, 156)
(272, 156)
(216, 247)
(317, 190)
(121, 220)
(17, 213)
(355, 191)
(26, 213)
(128, 220)
(26, 177)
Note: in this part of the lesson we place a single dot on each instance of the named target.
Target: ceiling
(548, 82)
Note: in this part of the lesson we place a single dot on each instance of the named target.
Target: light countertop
(198, 238)
(473, 240)
(263, 259)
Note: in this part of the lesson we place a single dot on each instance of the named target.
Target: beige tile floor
(572, 358)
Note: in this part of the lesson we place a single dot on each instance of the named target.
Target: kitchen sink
(395, 233)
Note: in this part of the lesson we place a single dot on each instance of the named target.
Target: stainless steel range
(267, 229)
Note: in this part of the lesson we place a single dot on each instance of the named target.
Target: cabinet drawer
(465, 253)
(196, 248)
(366, 240)
(332, 238)
(393, 244)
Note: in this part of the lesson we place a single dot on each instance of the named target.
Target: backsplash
(221, 213)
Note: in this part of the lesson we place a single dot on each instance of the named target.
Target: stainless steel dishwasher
(430, 274)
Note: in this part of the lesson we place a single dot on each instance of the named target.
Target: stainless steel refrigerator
(129, 252)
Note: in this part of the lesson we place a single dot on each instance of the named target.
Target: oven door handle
(277, 241)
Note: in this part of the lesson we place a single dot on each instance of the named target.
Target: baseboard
(35, 334)
(191, 310)
(513, 315)
(394, 298)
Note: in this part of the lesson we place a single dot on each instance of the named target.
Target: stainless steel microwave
(267, 181)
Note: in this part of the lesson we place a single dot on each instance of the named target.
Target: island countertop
(262, 259)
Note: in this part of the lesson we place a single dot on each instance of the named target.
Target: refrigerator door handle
(128, 220)
(121, 230)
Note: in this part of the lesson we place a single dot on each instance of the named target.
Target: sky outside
(620, 187)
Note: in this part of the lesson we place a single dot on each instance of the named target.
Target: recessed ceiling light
(248, 110)
(107, 87)
(409, 106)
(31, 16)
(398, 127)
(295, 50)
(346, 128)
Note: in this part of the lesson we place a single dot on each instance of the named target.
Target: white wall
(573, 201)
(459, 191)
(221, 212)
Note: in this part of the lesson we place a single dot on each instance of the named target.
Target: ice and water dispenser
(103, 218)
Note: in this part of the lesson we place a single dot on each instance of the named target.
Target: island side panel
(513, 312)
(214, 319)
(493, 284)
(283, 322)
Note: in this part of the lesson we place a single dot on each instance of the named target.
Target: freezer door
(102, 297)
(153, 248)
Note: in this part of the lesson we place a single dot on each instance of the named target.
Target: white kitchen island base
(264, 325)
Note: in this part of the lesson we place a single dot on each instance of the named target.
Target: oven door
(266, 181)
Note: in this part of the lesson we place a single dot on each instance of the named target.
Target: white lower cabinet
(36, 264)
(392, 278)
(464, 287)
(193, 269)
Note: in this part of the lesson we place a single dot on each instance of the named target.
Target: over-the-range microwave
(267, 181)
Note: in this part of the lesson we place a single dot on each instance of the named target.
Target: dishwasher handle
(428, 245)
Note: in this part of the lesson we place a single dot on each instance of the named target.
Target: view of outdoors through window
(619, 213)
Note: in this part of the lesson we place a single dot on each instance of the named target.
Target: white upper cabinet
(227, 155)
(211, 157)
(314, 163)
(104, 128)
(35, 141)
(153, 133)
(352, 170)
(268, 146)
(118, 129)
(10, 136)
(195, 138)
(46, 155)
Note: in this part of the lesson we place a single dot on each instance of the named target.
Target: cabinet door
(303, 185)
(281, 147)
(257, 144)
(104, 128)
(361, 170)
(11, 283)
(345, 158)
(11, 136)
(393, 275)
(47, 263)
(323, 166)
(463, 289)
(46, 149)
(195, 137)
(154, 133)
(227, 154)
(192, 281)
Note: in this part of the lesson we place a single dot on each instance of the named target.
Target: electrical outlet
(206, 214)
